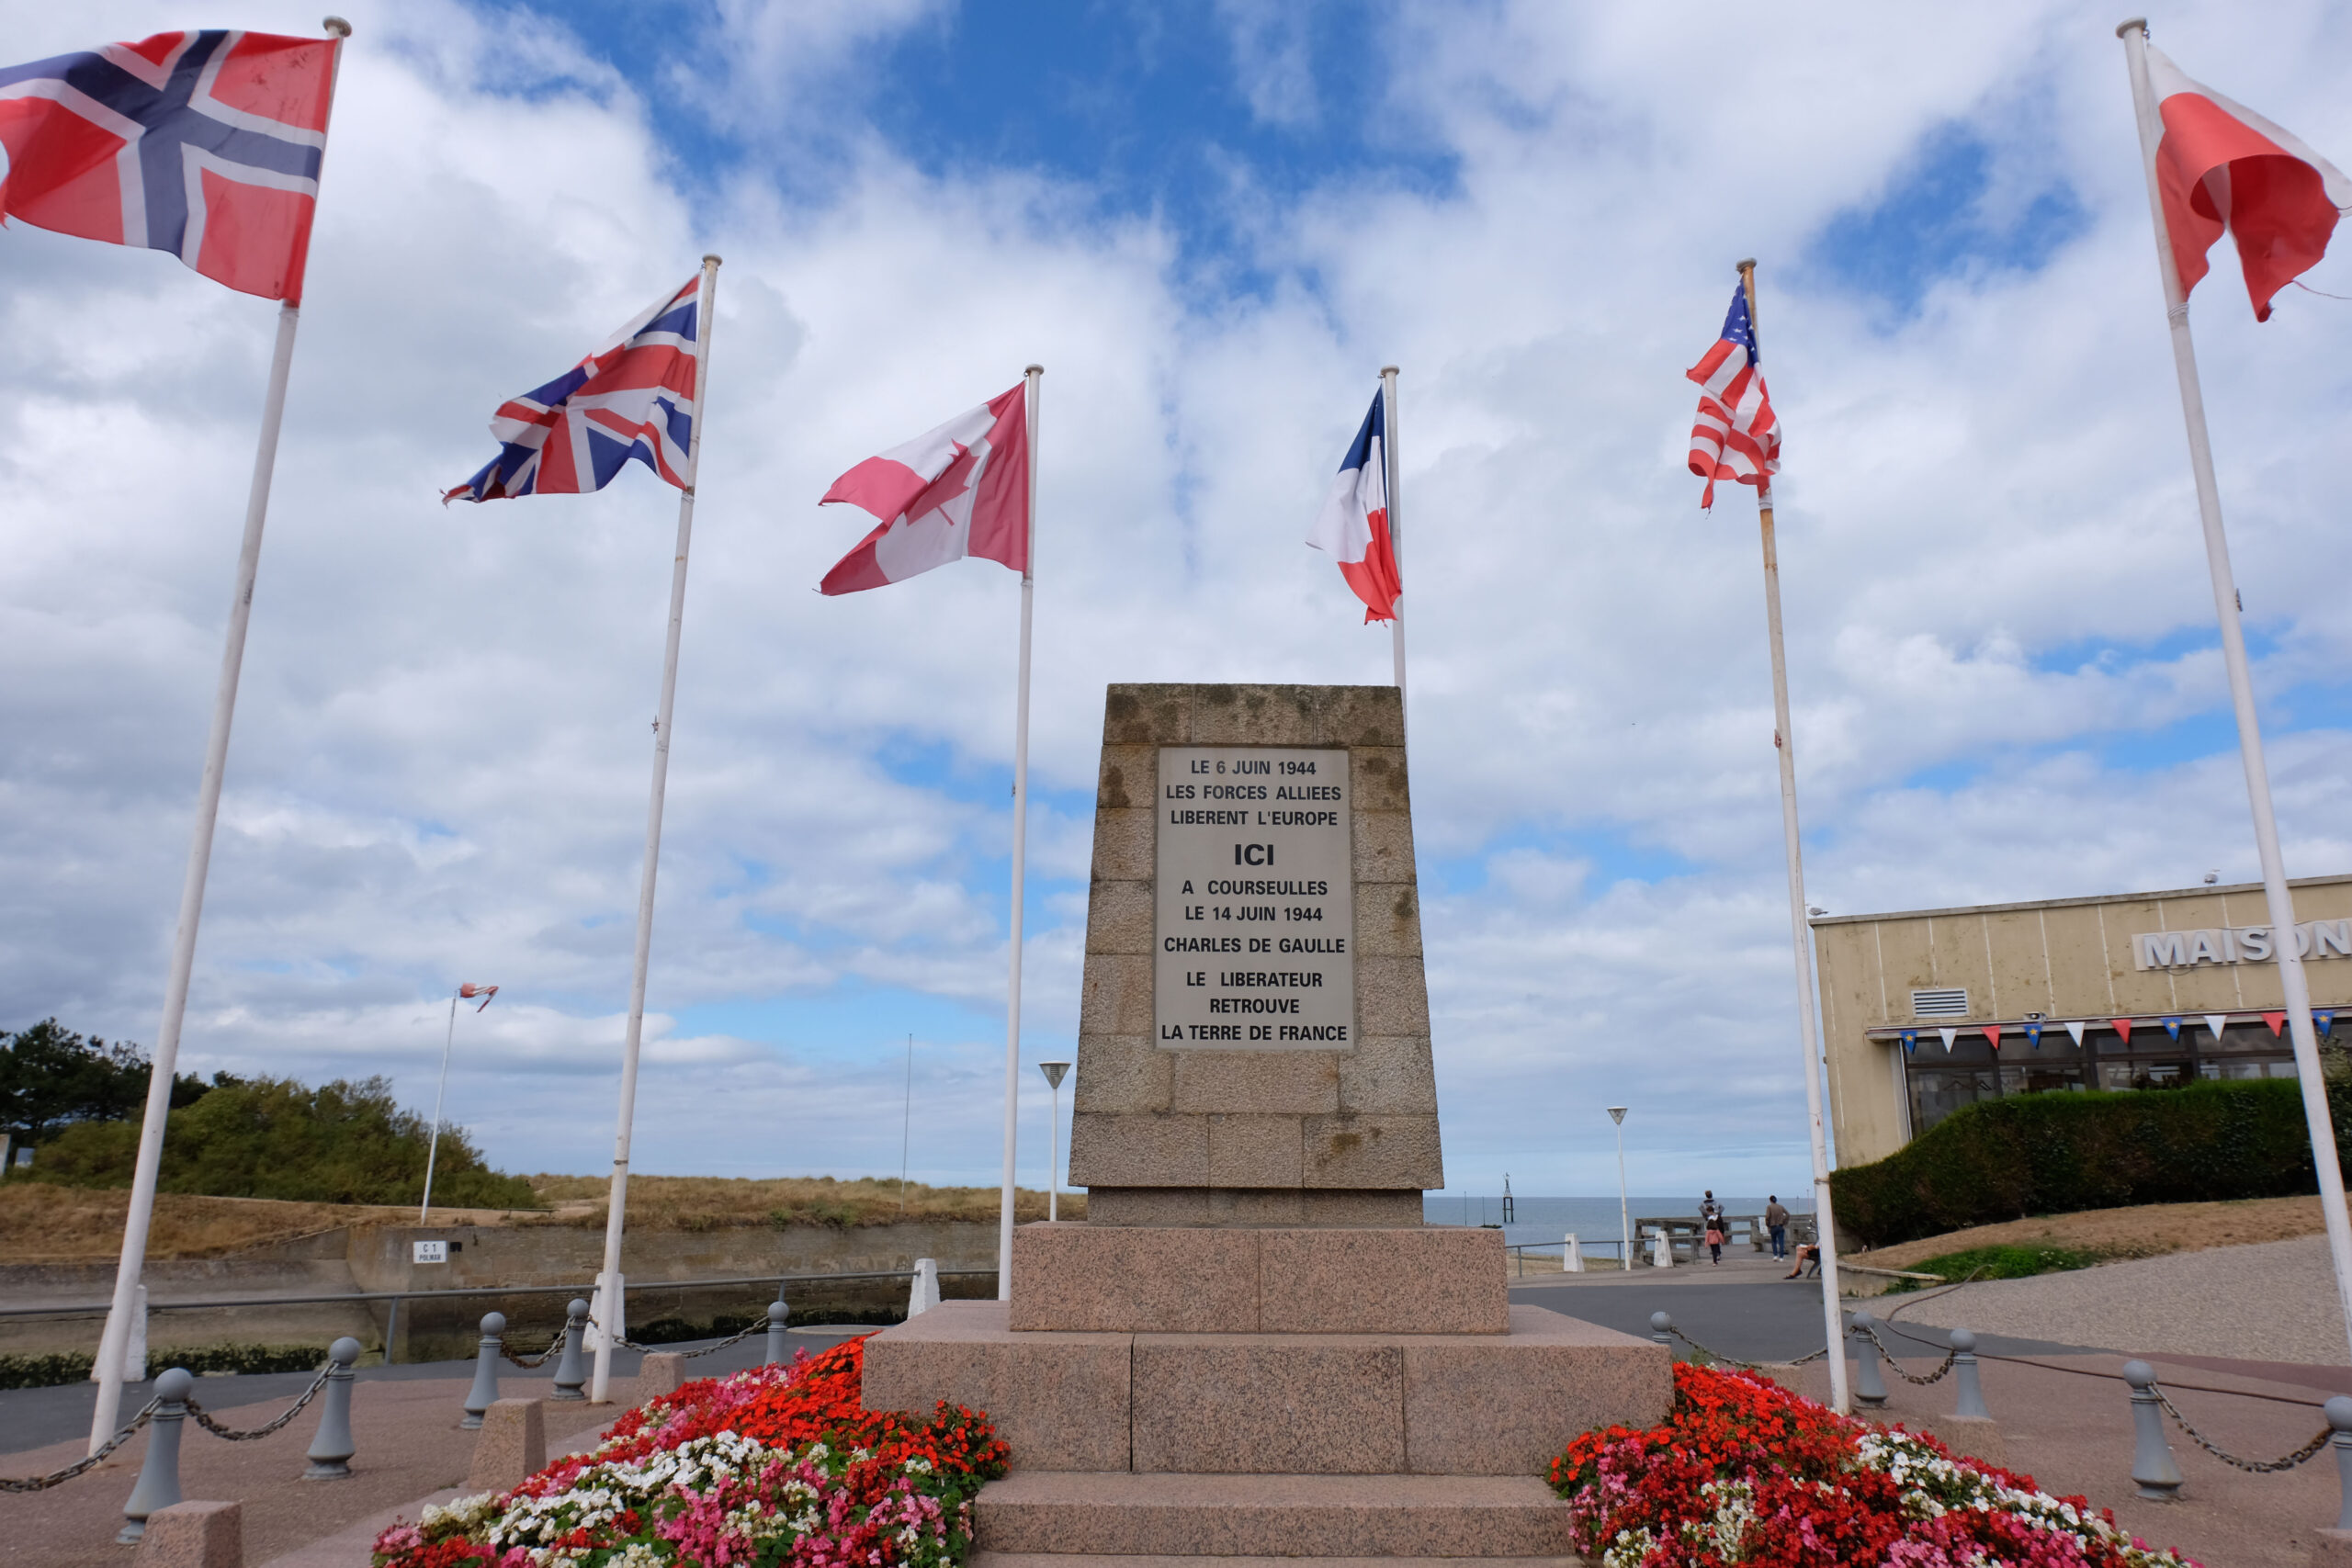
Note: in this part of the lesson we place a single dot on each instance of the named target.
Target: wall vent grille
(1943, 1002)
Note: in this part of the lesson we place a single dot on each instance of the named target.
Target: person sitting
(1808, 1255)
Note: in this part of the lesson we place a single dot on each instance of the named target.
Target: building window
(1939, 1082)
(1944, 1002)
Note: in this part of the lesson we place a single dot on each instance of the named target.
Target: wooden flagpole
(1800, 932)
(1032, 376)
(2294, 989)
(611, 1286)
(140, 1219)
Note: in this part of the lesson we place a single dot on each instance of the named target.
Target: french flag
(2221, 165)
(1353, 524)
(961, 490)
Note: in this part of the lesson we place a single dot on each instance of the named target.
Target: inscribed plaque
(1254, 900)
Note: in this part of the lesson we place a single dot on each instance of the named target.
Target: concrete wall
(380, 1258)
(2068, 958)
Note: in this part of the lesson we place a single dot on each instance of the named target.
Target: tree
(52, 1078)
(341, 1143)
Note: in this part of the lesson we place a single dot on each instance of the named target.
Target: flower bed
(1746, 1472)
(775, 1466)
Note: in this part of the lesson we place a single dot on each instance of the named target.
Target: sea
(1594, 1220)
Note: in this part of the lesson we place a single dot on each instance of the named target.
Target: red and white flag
(470, 991)
(961, 490)
(2221, 165)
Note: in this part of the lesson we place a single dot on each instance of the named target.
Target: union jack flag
(1736, 436)
(632, 400)
(206, 145)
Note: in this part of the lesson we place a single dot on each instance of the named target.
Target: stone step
(1073, 1514)
(1496, 1404)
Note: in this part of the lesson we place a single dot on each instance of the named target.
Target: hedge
(73, 1365)
(2052, 1153)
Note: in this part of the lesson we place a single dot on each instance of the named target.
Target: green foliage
(52, 1078)
(2042, 1153)
(73, 1365)
(2000, 1263)
(341, 1143)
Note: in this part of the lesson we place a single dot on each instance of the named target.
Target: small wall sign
(429, 1252)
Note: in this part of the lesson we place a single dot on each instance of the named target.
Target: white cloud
(442, 752)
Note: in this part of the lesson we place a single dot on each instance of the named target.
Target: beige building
(1928, 1012)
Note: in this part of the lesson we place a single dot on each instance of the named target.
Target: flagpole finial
(1745, 266)
(337, 26)
(710, 258)
(2124, 29)
(1034, 370)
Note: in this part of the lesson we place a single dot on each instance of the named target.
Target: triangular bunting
(2172, 1026)
(2076, 1031)
(1951, 1034)
(2122, 1026)
(1910, 1038)
(2033, 1035)
(2217, 1021)
(2277, 1020)
(1992, 1036)
(2324, 1019)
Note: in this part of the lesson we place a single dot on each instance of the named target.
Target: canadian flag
(961, 490)
(2221, 165)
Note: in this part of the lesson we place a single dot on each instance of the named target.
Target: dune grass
(719, 1202)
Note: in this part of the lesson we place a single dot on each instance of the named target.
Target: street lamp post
(1053, 1071)
(1624, 1214)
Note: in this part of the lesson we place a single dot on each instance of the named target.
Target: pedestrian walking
(1776, 1220)
(1711, 1216)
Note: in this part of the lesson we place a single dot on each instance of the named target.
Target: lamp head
(1053, 1071)
(1617, 1114)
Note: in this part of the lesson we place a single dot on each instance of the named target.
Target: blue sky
(1213, 221)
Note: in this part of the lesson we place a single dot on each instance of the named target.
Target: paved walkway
(404, 1423)
(2272, 1302)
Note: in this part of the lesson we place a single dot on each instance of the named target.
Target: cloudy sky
(1212, 220)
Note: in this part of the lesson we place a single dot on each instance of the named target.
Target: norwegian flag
(206, 145)
(960, 489)
(632, 400)
(1736, 435)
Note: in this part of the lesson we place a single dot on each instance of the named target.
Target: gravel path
(2271, 1301)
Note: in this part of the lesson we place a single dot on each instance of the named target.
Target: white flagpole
(1033, 375)
(140, 1217)
(610, 1281)
(1800, 933)
(440, 1097)
(2295, 991)
(1395, 526)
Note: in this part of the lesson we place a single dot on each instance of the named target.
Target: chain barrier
(1897, 1367)
(2257, 1467)
(536, 1358)
(59, 1477)
(1736, 1361)
(275, 1423)
(758, 1327)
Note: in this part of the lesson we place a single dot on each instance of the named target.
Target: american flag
(632, 400)
(206, 145)
(1735, 436)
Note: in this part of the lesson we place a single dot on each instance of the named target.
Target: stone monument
(1251, 1345)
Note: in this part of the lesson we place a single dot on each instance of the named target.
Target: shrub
(73, 1365)
(341, 1143)
(2040, 1154)
(2001, 1262)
